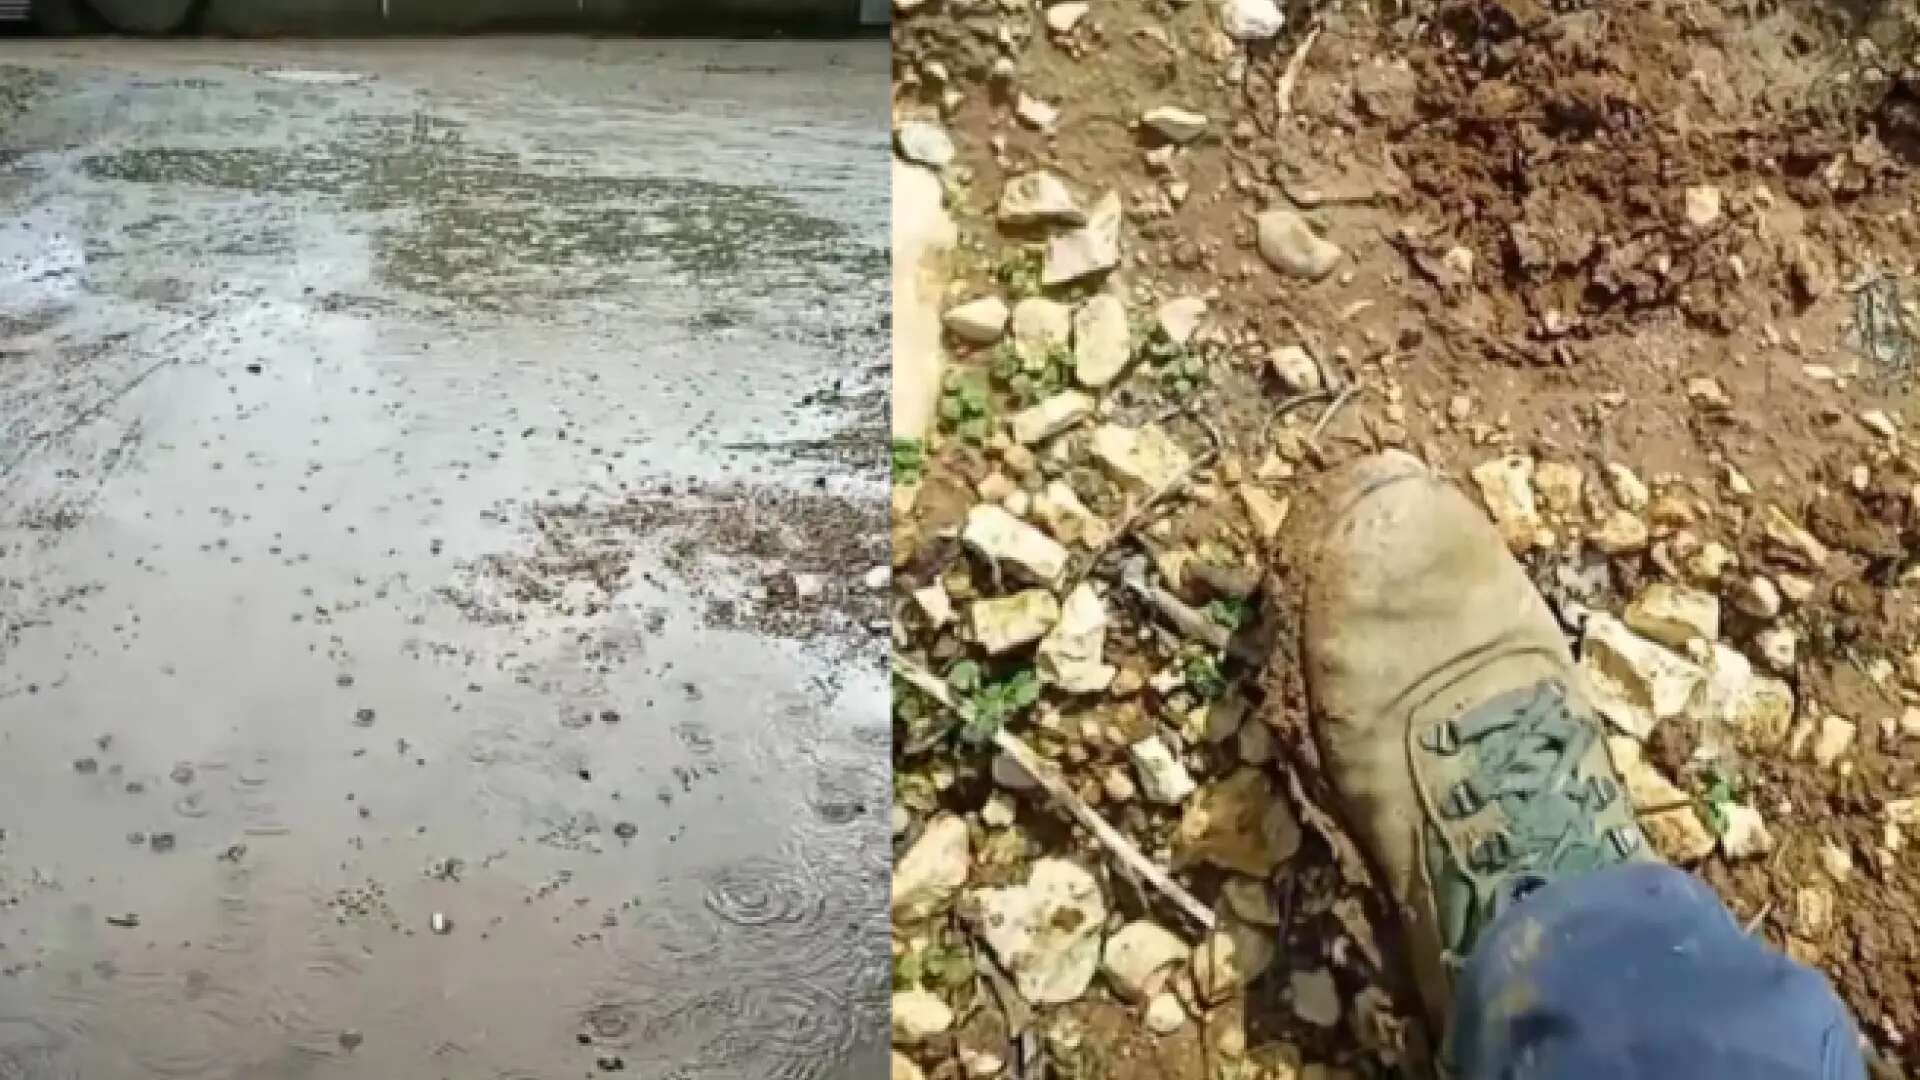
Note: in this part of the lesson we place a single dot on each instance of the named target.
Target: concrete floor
(378, 423)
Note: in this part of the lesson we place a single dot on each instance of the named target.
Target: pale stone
(1267, 513)
(1812, 911)
(999, 811)
(1180, 318)
(1063, 17)
(1102, 341)
(918, 1016)
(1708, 394)
(1035, 113)
(932, 871)
(1315, 998)
(980, 322)
(1070, 655)
(1788, 540)
(1710, 562)
(1067, 517)
(1673, 615)
(1635, 682)
(1778, 646)
(1043, 420)
(1647, 788)
(1834, 739)
(1627, 488)
(1559, 485)
(1047, 931)
(1251, 20)
(1003, 624)
(1621, 533)
(1175, 124)
(1757, 596)
(1218, 970)
(1296, 369)
(1746, 835)
(1678, 835)
(1835, 860)
(923, 238)
(1093, 248)
(1506, 486)
(902, 1067)
(1040, 324)
(981, 1064)
(1165, 1015)
(1038, 198)
(1239, 823)
(999, 537)
(1145, 457)
(1140, 957)
(1703, 205)
(1879, 423)
(1163, 778)
(924, 143)
(935, 604)
(1291, 246)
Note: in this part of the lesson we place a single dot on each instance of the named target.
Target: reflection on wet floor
(438, 515)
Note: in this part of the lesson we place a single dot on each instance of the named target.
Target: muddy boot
(1450, 715)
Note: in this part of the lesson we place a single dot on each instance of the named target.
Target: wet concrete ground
(406, 453)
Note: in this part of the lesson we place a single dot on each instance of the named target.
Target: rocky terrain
(1640, 277)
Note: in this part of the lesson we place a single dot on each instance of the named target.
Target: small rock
(440, 924)
(1175, 124)
(1559, 485)
(1062, 18)
(1296, 369)
(1678, 835)
(1040, 422)
(935, 604)
(999, 811)
(1621, 533)
(1674, 615)
(933, 869)
(1291, 246)
(1710, 562)
(1140, 957)
(924, 143)
(919, 1016)
(1180, 318)
(1038, 198)
(1757, 596)
(1040, 324)
(1627, 488)
(980, 322)
(1812, 911)
(1837, 863)
(1162, 777)
(1070, 655)
(161, 842)
(1833, 740)
(1240, 824)
(1266, 513)
(805, 587)
(1093, 248)
(1165, 1015)
(1145, 457)
(1635, 682)
(1647, 788)
(1035, 113)
(1708, 394)
(981, 1064)
(1506, 486)
(1703, 205)
(1047, 931)
(1218, 971)
(1315, 998)
(1102, 341)
(1879, 423)
(902, 1067)
(1778, 646)
(997, 536)
(1746, 835)
(1251, 20)
(1789, 541)
(1003, 624)
(1251, 900)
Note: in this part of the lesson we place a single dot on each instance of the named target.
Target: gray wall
(270, 17)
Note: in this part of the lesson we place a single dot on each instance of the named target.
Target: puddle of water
(341, 586)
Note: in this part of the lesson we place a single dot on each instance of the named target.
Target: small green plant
(1179, 370)
(991, 704)
(1203, 674)
(1230, 612)
(1019, 273)
(935, 966)
(966, 405)
(909, 460)
(1714, 801)
(1030, 377)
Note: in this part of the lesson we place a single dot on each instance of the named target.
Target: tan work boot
(1450, 715)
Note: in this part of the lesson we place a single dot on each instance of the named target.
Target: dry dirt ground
(1641, 275)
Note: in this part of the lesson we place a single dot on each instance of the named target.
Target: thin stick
(1313, 438)
(1283, 95)
(1043, 774)
(1134, 516)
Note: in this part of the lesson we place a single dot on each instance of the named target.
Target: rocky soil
(1640, 277)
